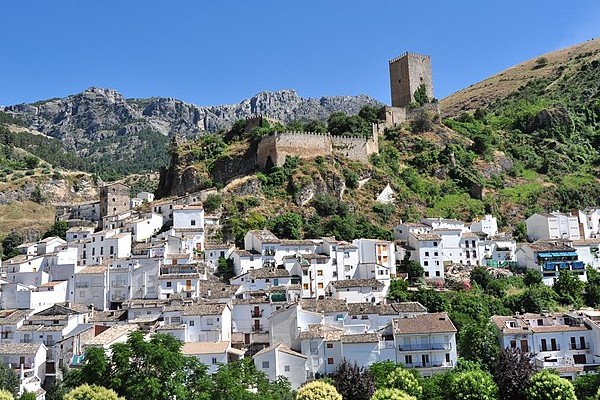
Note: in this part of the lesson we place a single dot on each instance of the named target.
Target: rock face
(98, 114)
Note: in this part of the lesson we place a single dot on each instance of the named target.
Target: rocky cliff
(97, 114)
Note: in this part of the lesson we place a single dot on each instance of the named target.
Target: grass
(25, 216)
(521, 193)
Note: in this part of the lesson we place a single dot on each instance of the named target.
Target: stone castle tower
(407, 73)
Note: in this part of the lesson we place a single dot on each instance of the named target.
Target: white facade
(29, 361)
(550, 259)
(145, 227)
(565, 342)
(552, 226)
(280, 360)
(488, 225)
(105, 245)
(212, 354)
(92, 287)
(375, 251)
(428, 253)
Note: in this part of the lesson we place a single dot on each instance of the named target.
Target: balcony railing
(256, 328)
(556, 347)
(434, 364)
(256, 313)
(269, 252)
(424, 346)
(81, 285)
(579, 346)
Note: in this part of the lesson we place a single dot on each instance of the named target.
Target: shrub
(403, 379)
(318, 390)
(391, 394)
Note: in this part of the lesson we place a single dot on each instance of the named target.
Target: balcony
(424, 347)
(82, 285)
(269, 252)
(556, 347)
(579, 346)
(256, 313)
(435, 364)
(256, 328)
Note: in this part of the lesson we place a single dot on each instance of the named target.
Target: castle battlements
(407, 54)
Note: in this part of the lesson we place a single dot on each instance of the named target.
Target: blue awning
(545, 254)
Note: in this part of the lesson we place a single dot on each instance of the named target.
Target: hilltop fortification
(273, 149)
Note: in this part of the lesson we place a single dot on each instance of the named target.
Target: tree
(28, 396)
(512, 372)
(398, 290)
(430, 299)
(481, 276)
(415, 270)
(391, 394)
(592, 288)
(353, 381)
(9, 380)
(87, 392)
(225, 268)
(547, 385)
(420, 95)
(403, 379)
(318, 390)
(58, 229)
(473, 385)
(532, 277)
(287, 226)
(381, 370)
(6, 395)
(141, 370)
(212, 203)
(10, 244)
(587, 386)
(240, 380)
(569, 289)
(95, 368)
(477, 341)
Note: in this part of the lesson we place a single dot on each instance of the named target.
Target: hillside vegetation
(533, 149)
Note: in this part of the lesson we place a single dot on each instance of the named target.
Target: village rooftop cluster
(297, 307)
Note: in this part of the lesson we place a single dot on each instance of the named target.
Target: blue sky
(220, 51)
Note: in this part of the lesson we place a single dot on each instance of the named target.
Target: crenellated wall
(310, 145)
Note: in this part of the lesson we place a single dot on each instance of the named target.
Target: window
(408, 360)
(319, 272)
(214, 360)
(320, 285)
(169, 284)
(330, 360)
(305, 272)
(513, 344)
(447, 357)
(330, 345)
(265, 364)
(425, 263)
(193, 222)
(286, 368)
(314, 347)
(112, 250)
(426, 254)
(437, 273)
(434, 244)
(435, 253)
(191, 323)
(305, 286)
(364, 317)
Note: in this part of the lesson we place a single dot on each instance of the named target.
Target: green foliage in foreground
(318, 390)
(547, 385)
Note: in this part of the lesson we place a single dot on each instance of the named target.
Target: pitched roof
(280, 347)
(111, 334)
(361, 338)
(205, 309)
(19, 348)
(193, 348)
(356, 283)
(323, 305)
(424, 323)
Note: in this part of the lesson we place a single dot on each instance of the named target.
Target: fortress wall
(301, 144)
(354, 148)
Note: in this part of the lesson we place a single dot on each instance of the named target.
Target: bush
(87, 392)
(212, 203)
(391, 394)
(318, 390)
(547, 385)
(403, 379)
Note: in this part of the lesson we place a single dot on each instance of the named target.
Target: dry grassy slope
(508, 81)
